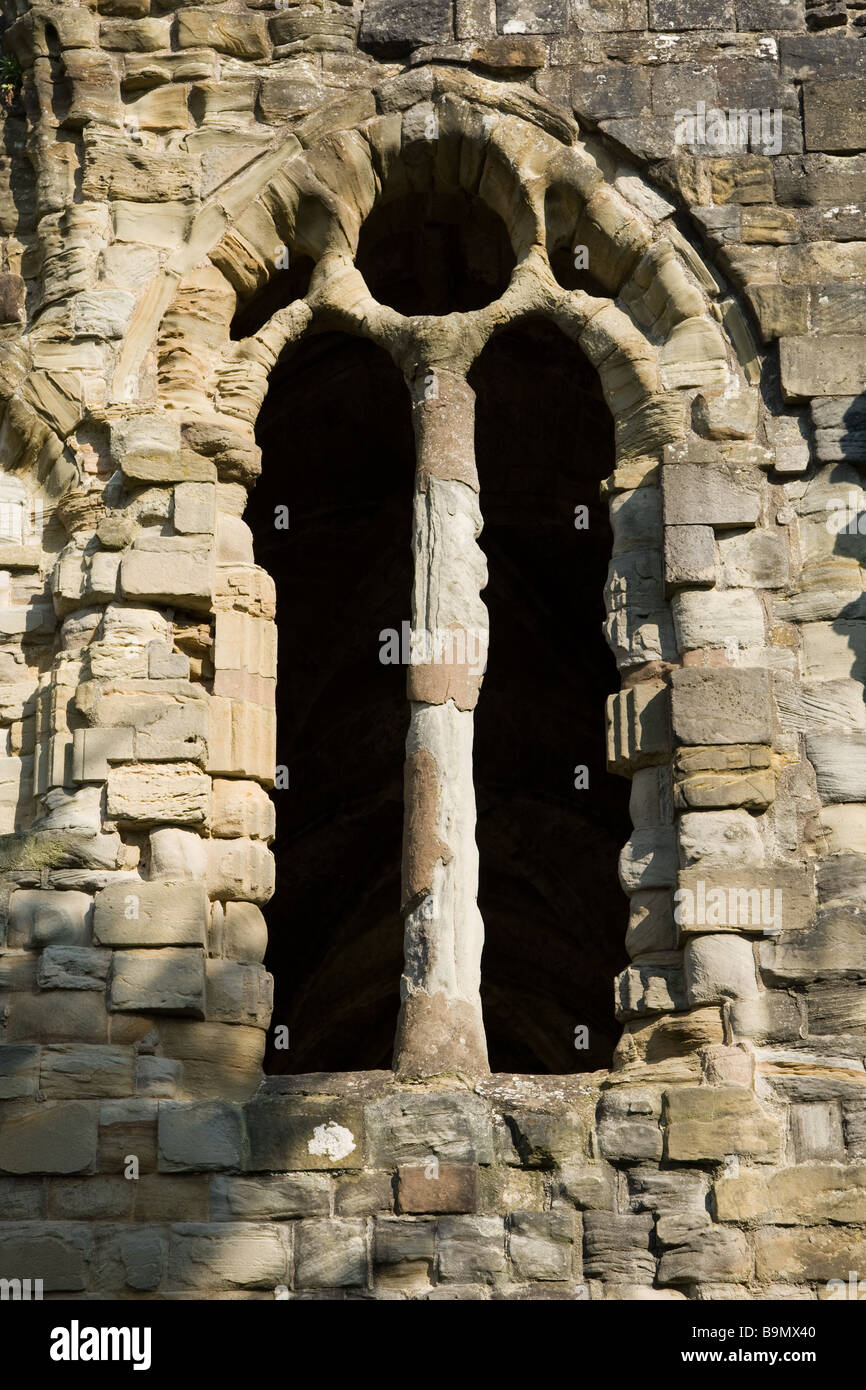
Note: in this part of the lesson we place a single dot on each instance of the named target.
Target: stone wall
(159, 167)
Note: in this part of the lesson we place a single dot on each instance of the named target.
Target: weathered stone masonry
(158, 166)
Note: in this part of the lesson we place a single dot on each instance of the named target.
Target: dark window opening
(282, 289)
(338, 451)
(435, 253)
(554, 913)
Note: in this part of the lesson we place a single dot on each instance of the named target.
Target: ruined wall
(158, 169)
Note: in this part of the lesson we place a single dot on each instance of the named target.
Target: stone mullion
(440, 1028)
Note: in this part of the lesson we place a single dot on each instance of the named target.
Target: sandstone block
(246, 932)
(83, 1072)
(436, 1187)
(649, 989)
(330, 1254)
(152, 914)
(19, 1071)
(695, 1251)
(45, 917)
(616, 1248)
(690, 556)
(832, 364)
(272, 1198)
(177, 854)
(167, 980)
(242, 809)
(637, 727)
(242, 740)
(291, 1133)
(239, 993)
(718, 705)
(718, 968)
(807, 1256)
(471, 1248)
(720, 838)
(704, 1123)
(708, 494)
(839, 761)
(150, 794)
(833, 114)
(170, 574)
(240, 870)
(247, 1255)
(540, 1244)
(203, 1136)
(57, 1137)
(717, 617)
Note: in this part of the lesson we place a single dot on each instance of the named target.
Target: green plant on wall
(10, 72)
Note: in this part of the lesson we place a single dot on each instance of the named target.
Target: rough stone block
(330, 1254)
(638, 733)
(406, 1128)
(170, 574)
(152, 794)
(722, 838)
(292, 1133)
(717, 618)
(203, 1136)
(167, 980)
(247, 1255)
(57, 1253)
(793, 1256)
(834, 115)
(276, 1198)
(57, 1137)
(436, 1187)
(690, 556)
(471, 1248)
(45, 917)
(19, 1071)
(246, 932)
(94, 749)
(649, 989)
(69, 1016)
(84, 1072)
(239, 993)
(177, 854)
(541, 1244)
(839, 761)
(718, 968)
(719, 705)
(616, 1248)
(704, 1123)
(242, 740)
(151, 914)
(708, 494)
(395, 26)
(648, 859)
(694, 1251)
(242, 809)
(831, 364)
(240, 870)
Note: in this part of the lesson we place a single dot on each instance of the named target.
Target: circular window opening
(435, 253)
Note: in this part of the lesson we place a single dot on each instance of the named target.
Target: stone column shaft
(440, 1028)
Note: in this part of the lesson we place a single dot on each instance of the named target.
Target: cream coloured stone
(242, 808)
(148, 794)
(720, 837)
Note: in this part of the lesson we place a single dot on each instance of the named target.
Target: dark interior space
(553, 910)
(435, 253)
(337, 444)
